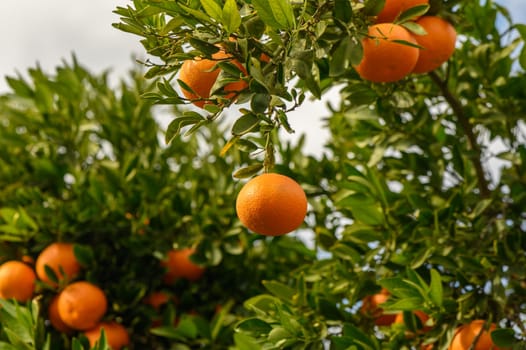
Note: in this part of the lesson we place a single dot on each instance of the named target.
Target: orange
(54, 317)
(81, 305)
(17, 281)
(116, 335)
(384, 59)
(371, 308)
(271, 205)
(60, 258)
(438, 44)
(199, 76)
(465, 335)
(179, 265)
(422, 316)
(393, 8)
(157, 299)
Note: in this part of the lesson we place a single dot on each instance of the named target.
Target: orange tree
(404, 200)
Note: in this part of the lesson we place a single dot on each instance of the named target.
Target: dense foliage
(401, 197)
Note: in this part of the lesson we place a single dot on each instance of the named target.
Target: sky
(49, 32)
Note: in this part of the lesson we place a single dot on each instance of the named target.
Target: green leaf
(245, 124)
(231, 17)
(260, 102)
(84, 255)
(213, 9)
(277, 14)
(254, 327)
(504, 337)
(280, 290)
(262, 304)
(248, 171)
(175, 126)
(244, 342)
(412, 13)
(436, 292)
(369, 214)
(341, 57)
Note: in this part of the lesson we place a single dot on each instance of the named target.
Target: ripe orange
(116, 335)
(371, 308)
(60, 258)
(438, 44)
(179, 265)
(384, 58)
(54, 317)
(17, 281)
(393, 8)
(465, 335)
(81, 305)
(197, 74)
(271, 205)
(157, 299)
(418, 313)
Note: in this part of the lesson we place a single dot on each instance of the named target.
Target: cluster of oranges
(474, 335)
(391, 52)
(77, 306)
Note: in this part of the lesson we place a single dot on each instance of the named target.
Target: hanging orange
(386, 55)
(198, 75)
(271, 205)
(437, 45)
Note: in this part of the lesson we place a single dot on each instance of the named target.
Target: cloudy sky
(48, 32)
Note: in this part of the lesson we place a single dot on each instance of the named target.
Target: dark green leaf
(504, 337)
(245, 124)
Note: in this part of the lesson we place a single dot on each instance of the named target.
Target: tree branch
(458, 110)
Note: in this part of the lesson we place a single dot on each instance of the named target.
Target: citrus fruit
(271, 204)
(81, 305)
(116, 335)
(393, 8)
(198, 74)
(386, 55)
(17, 281)
(371, 308)
(61, 259)
(54, 317)
(157, 299)
(466, 334)
(179, 265)
(437, 45)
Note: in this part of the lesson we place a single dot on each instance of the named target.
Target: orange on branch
(466, 334)
(393, 8)
(61, 259)
(54, 317)
(271, 205)
(179, 265)
(81, 305)
(371, 307)
(17, 281)
(387, 55)
(116, 335)
(199, 75)
(437, 45)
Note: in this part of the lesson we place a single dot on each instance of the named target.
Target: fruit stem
(268, 162)
(457, 108)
